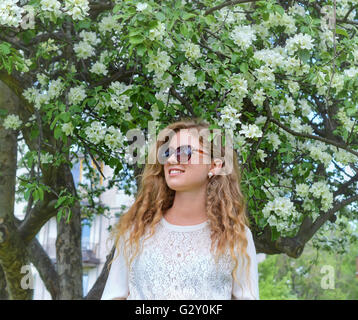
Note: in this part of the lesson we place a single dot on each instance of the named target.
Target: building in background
(95, 235)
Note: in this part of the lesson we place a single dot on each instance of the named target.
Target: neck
(188, 207)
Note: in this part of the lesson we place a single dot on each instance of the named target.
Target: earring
(210, 174)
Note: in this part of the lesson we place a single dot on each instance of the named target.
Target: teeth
(175, 171)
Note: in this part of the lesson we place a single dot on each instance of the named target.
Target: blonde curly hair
(225, 204)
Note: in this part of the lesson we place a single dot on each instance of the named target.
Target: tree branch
(226, 4)
(97, 289)
(306, 135)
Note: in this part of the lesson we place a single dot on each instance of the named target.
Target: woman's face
(194, 173)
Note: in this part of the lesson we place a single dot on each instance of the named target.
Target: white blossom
(229, 117)
(299, 42)
(243, 36)
(12, 121)
(157, 33)
(262, 155)
(114, 138)
(46, 157)
(258, 97)
(96, 132)
(251, 131)
(109, 24)
(76, 95)
(10, 13)
(52, 6)
(159, 63)
(55, 89)
(302, 190)
(83, 50)
(67, 128)
(77, 9)
(187, 75)
(273, 139)
(89, 37)
(99, 68)
(141, 6)
(192, 50)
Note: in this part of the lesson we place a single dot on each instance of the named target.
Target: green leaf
(59, 215)
(141, 50)
(184, 30)
(116, 8)
(235, 58)
(188, 15)
(200, 75)
(57, 133)
(244, 67)
(136, 39)
(5, 48)
(210, 19)
(265, 16)
(342, 32)
(304, 55)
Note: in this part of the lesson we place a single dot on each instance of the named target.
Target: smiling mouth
(174, 172)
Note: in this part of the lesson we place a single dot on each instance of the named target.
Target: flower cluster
(114, 138)
(67, 128)
(51, 7)
(10, 13)
(108, 24)
(159, 63)
(251, 131)
(318, 152)
(273, 139)
(12, 121)
(243, 36)
(258, 97)
(99, 68)
(187, 75)
(281, 214)
(321, 190)
(229, 117)
(281, 20)
(119, 101)
(77, 9)
(76, 95)
(272, 57)
(192, 50)
(299, 42)
(157, 33)
(238, 87)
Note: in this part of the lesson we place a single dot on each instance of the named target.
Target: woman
(187, 209)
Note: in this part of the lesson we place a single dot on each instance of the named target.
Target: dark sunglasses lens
(184, 153)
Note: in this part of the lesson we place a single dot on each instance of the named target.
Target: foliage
(282, 277)
(282, 75)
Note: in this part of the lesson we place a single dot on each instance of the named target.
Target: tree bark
(13, 255)
(69, 256)
(3, 291)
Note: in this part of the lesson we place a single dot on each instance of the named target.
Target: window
(85, 283)
(86, 234)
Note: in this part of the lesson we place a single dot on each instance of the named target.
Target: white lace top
(176, 264)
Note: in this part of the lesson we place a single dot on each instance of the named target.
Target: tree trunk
(69, 256)
(13, 255)
(3, 291)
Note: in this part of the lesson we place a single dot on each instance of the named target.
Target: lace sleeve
(249, 289)
(117, 281)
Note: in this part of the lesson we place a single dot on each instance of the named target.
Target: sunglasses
(182, 153)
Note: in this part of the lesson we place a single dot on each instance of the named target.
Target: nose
(172, 158)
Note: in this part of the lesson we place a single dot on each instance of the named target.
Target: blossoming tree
(78, 73)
